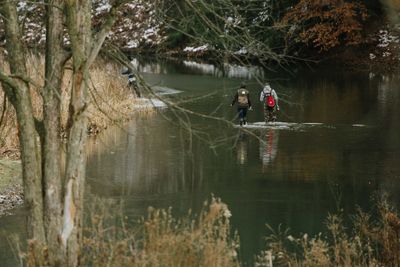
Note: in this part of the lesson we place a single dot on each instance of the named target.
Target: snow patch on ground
(386, 38)
(145, 103)
(132, 44)
(162, 90)
(295, 125)
(242, 51)
(202, 48)
(103, 8)
(284, 125)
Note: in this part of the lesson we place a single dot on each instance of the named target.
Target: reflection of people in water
(242, 148)
(269, 147)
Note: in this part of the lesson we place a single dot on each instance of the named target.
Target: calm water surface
(292, 176)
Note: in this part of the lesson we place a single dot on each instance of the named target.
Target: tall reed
(161, 240)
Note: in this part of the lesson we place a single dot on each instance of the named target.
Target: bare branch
(102, 34)
(6, 79)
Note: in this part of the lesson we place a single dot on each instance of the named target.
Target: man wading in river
(242, 97)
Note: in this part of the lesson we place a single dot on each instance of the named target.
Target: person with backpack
(132, 82)
(269, 97)
(242, 98)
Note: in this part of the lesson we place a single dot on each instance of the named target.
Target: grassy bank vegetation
(207, 239)
(371, 240)
(111, 101)
(160, 239)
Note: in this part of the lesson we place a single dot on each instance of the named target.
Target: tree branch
(105, 30)
(6, 79)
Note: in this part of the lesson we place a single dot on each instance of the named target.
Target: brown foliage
(325, 24)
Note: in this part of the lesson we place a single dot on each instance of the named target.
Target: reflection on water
(242, 147)
(268, 147)
(224, 70)
(150, 157)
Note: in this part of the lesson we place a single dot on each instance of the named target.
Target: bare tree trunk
(79, 29)
(55, 58)
(29, 140)
(84, 51)
(55, 213)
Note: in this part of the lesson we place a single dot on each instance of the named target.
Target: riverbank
(112, 102)
(11, 188)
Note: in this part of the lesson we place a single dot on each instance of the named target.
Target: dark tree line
(263, 28)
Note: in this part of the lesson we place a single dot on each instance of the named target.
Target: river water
(336, 145)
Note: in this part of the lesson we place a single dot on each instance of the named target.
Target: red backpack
(270, 101)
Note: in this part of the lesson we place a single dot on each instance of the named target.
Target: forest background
(352, 33)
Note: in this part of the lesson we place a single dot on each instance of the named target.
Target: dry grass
(162, 240)
(158, 240)
(9, 142)
(372, 242)
(206, 240)
(111, 101)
